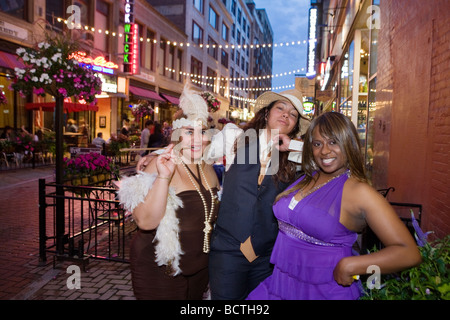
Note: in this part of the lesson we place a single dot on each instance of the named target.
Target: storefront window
(370, 126)
(374, 41)
(347, 82)
(7, 110)
(363, 87)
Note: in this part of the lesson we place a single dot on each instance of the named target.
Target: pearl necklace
(208, 216)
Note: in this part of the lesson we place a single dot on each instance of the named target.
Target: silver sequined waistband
(292, 231)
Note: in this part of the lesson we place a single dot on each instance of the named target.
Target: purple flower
(421, 237)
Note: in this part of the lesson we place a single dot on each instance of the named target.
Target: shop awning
(68, 107)
(10, 61)
(145, 94)
(171, 99)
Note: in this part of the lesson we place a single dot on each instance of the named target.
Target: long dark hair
(339, 127)
(287, 169)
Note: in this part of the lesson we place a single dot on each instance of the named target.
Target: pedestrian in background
(99, 141)
(320, 215)
(145, 136)
(156, 140)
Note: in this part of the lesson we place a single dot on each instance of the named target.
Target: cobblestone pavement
(23, 277)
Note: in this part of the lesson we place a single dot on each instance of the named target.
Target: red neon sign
(135, 49)
(100, 61)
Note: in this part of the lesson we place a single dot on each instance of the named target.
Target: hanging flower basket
(141, 110)
(48, 69)
(211, 101)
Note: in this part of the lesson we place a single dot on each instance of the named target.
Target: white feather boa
(133, 191)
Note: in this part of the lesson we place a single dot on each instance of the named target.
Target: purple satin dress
(310, 243)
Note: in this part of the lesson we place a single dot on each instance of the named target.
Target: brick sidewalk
(23, 278)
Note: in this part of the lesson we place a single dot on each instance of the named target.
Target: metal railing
(95, 224)
(403, 210)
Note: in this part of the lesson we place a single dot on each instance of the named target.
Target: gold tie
(262, 172)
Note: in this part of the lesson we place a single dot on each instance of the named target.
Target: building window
(179, 66)
(224, 58)
(196, 70)
(225, 31)
(197, 34)
(212, 50)
(198, 4)
(162, 57)
(211, 76)
(102, 22)
(213, 18)
(171, 62)
(233, 7)
(149, 51)
(239, 16)
(18, 8)
(223, 86)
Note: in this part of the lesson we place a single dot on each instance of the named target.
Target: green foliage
(428, 281)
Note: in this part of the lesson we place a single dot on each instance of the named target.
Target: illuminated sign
(308, 107)
(131, 40)
(311, 58)
(326, 73)
(98, 64)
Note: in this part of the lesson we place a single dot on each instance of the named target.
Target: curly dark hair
(287, 169)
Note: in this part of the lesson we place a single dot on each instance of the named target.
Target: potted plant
(117, 143)
(428, 281)
(89, 169)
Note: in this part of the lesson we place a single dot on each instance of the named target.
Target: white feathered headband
(194, 109)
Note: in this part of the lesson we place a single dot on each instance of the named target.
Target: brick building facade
(412, 120)
(384, 64)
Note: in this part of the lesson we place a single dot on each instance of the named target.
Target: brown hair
(338, 127)
(287, 169)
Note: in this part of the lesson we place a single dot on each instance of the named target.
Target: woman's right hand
(165, 163)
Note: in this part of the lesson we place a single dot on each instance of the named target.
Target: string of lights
(238, 78)
(188, 44)
(196, 78)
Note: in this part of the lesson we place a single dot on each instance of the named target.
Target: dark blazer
(246, 208)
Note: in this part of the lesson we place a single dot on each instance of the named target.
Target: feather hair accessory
(194, 109)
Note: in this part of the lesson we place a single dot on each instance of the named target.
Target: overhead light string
(188, 44)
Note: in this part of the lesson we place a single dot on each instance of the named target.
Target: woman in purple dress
(319, 217)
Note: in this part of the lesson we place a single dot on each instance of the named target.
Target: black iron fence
(94, 225)
(404, 210)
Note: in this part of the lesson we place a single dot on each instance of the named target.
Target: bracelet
(163, 177)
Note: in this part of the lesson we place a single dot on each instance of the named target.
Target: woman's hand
(342, 274)
(281, 142)
(145, 161)
(165, 163)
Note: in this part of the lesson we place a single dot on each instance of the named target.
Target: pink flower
(62, 91)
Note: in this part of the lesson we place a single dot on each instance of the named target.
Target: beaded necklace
(208, 216)
(303, 195)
